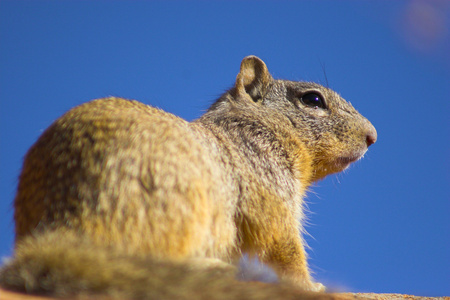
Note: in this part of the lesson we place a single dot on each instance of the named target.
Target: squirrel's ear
(253, 78)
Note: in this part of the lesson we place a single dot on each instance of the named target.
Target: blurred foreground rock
(373, 296)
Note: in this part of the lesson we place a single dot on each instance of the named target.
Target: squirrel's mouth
(345, 161)
(338, 164)
(348, 159)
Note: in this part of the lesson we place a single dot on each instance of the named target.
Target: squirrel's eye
(313, 100)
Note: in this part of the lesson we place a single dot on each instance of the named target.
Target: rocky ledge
(8, 295)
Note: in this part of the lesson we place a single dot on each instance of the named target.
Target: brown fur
(117, 196)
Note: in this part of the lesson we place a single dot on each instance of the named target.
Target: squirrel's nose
(371, 136)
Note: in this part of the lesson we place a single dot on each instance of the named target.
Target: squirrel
(122, 199)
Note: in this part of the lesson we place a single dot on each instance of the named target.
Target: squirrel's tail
(67, 265)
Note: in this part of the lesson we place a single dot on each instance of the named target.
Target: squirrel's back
(139, 172)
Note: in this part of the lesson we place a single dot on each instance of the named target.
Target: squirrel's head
(333, 132)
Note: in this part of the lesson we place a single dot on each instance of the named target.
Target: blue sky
(383, 225)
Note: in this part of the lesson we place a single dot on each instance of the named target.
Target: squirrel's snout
(371, 136)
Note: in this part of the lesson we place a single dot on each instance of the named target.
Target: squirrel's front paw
(316, 287)
(309, 285)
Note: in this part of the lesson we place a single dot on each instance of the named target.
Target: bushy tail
(67, 265)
